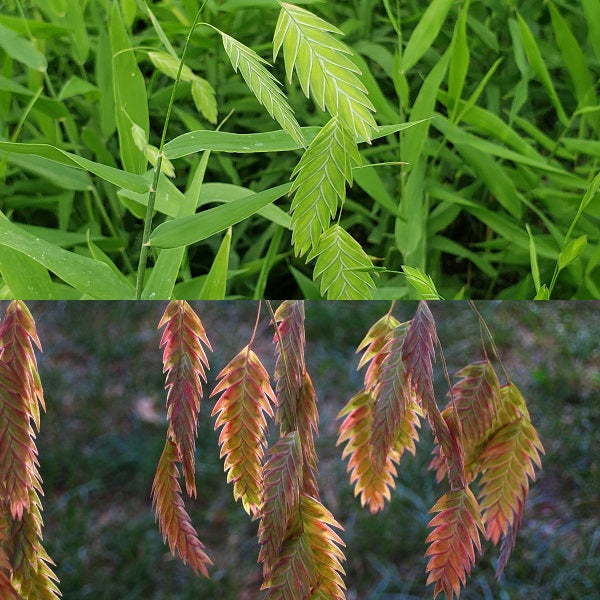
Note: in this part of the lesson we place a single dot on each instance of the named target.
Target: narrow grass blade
(89, 276)
(250, 143)
(189, 230)
(21, 49)
(25, 278)
(424, 33)
(131, 102)
(129, 181)
(215, 284)
(541, 70)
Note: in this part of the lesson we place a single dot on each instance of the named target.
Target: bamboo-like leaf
(20, 398)
(417, 352)
(173, 520)
(246, 397)
(320, 183)
(290, 367)
(184, 361)
(323, 68)
(371, 483)
(317, 524)
(342, 266)
(453, 541)
(476, 399)
(263, 85)
(281, 499)
(507, 462)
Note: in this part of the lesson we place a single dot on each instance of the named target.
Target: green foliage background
(499, 197)
(104, 429)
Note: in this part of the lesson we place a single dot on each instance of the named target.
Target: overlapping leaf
(246, 396)
(173, 520)
(263, 85)
(342, 266)
(453, 541)
(323, 68)
(184, 361)
(320, 183)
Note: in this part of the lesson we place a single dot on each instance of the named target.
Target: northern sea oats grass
(485, 447)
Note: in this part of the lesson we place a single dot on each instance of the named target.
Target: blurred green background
(104, 430)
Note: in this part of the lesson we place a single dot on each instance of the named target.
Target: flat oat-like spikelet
(477, 399)
(418, 352)
(393, 394)
(373, 344)
(507, 463)
(184, 361)
(20, 399)
(293, 576)
(317, 524)
(281, 498)
(32, 567)
(246, 396)
(7, 589)
(308, 422)
(371, 483)
(290, 367)
(453, 541)
(173, 520)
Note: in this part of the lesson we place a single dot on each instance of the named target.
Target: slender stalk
(483, 324)
(152, 196)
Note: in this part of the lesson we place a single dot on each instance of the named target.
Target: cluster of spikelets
(483, 436)
(299, 550)
(484, 433)
(25, 567)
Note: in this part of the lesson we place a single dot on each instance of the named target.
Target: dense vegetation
(495, 194)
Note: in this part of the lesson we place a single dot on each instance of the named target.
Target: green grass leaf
(424, 33)
(215, 284)
(202, 225)
(342, 266)
(323, 68)
(541, 70)
(129, 181)
(21, 50)
(90, 277)
(131, 103)
(250, 143)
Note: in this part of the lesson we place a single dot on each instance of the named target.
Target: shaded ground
(104, 431)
